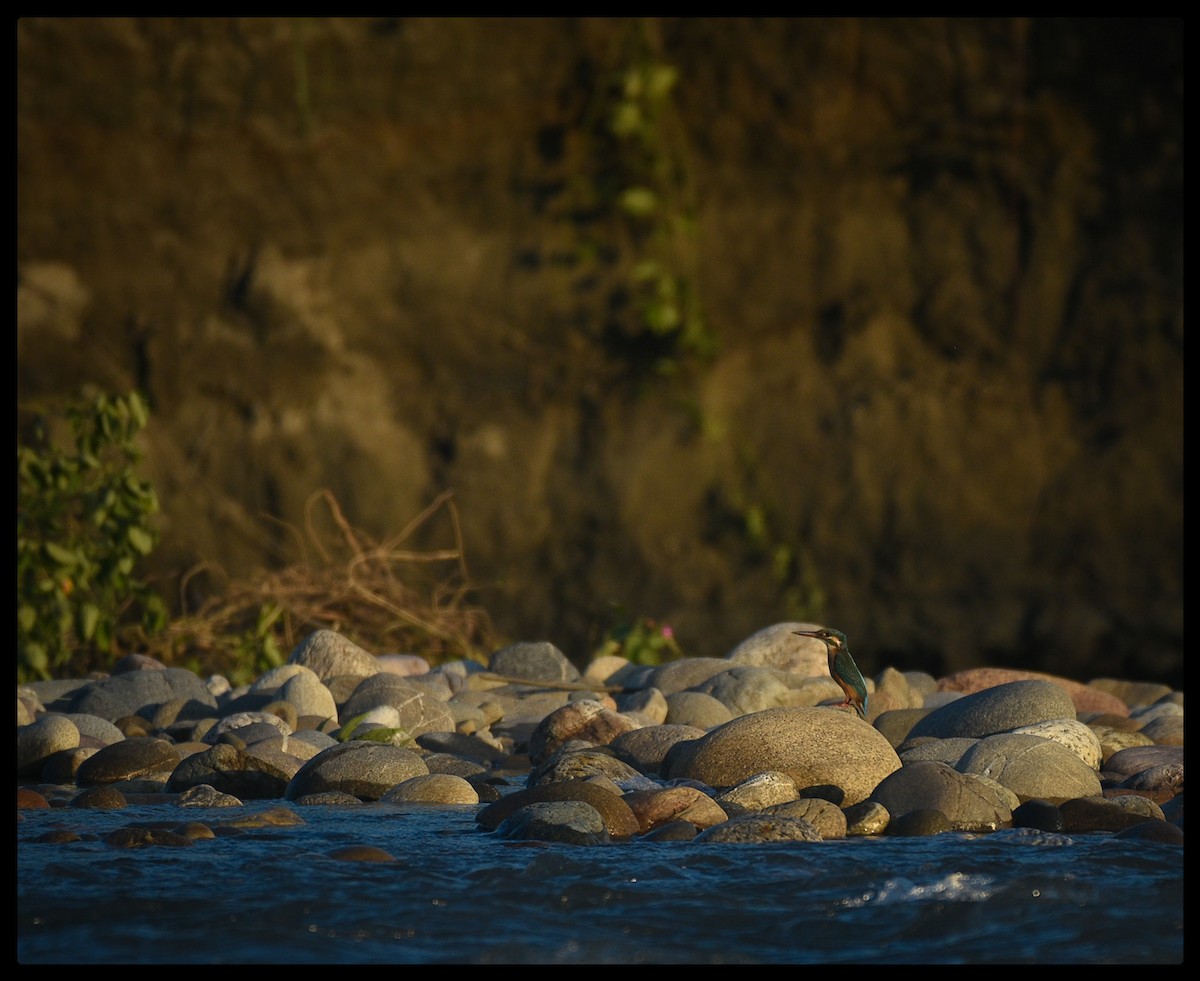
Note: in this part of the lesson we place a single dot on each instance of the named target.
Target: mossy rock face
(946, 402)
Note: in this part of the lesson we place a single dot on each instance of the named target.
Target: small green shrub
(642, 641)
(83, 523)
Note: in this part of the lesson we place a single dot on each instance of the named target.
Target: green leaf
(141, 540)
(139, 410)
(641, 202)
(87, 619)
(65, 558)
(626, 119)
(662, 318)
(660, 79)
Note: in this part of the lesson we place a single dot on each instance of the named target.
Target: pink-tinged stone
(29, 800)
(1086, 699)
(404, 664)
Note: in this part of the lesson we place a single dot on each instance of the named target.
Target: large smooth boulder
(816, 747)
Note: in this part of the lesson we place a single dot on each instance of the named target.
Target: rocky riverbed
(751, 747)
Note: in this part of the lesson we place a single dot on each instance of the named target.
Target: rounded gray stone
(229, 770)
(944, 750)
(418, 711)
(757, 792)
(685, 673)
(754, 828)
(697, 710)
(140, 692)
(747, 689)
(96, 728)
(534, 661)
(816, 747)
(1031, 766)
(1075, 735)
(41, 739)
(432, 788)
(128, 759)
(365, 769)
(777, 646)
(572, 822)
(328, 654)
(998, 709)
(969, 804)
(646, 748)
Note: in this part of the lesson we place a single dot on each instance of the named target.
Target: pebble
(747, 748)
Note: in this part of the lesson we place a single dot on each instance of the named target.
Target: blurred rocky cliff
(925, 383)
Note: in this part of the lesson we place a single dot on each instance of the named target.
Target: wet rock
(755, 828)
(132, 757)
(665, 805)
(968, 804)
(366, 770)
(618, 818)
(232, 771)
(572, 822)
(432, 788)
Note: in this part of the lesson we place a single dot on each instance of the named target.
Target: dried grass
(385, 596)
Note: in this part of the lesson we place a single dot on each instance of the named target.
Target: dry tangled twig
(385, 596)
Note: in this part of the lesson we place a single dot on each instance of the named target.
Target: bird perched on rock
(842, 668)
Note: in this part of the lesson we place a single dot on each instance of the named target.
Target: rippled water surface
(455, 894)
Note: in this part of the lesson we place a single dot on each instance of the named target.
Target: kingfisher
(842, 668)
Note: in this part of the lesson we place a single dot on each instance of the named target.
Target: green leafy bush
(641, 640)
(83, 522)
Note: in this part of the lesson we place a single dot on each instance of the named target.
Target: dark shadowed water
(455, 894)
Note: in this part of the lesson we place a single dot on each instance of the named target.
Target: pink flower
(667, 632)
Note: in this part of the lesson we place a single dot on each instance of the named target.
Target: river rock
(365, 769)
(968, 804)
(618, 818)
(229, 770)
(756, 828)
(1075, 735)
(418, 711)
(139, 692)
(813, 746)
(533, 661)
(41, 739)
(329, 655)
(128, 759)
(1031, 766)
(997, 709)
(571, 822)
(586, 720)
(432, 788)
(660, 806)
(1084, 698)
(747, 689)
(777, 646)
(696, 710)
